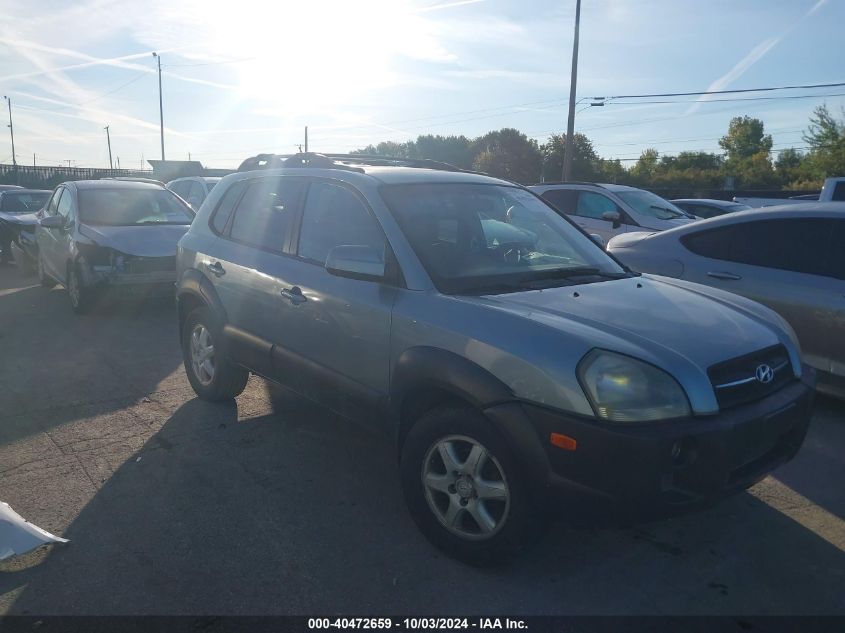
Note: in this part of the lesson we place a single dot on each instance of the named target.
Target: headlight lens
(623, 389)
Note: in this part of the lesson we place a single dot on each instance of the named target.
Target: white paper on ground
(18, 536)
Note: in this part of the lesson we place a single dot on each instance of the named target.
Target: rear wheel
(464, 489)
(43, 278)
(211, 375)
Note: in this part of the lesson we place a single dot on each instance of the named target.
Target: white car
(193, 189)
(608, 210)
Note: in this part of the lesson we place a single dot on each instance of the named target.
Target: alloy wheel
(202, 354)
(465, 487)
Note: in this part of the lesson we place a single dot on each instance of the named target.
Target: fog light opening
(682, 452)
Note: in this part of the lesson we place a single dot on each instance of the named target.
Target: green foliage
(584, 161)
(826, 138)
(508, 154)
(745, 138)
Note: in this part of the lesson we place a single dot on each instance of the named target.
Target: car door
(784, 264)
(249, 267)
(586, 209)
(336, 330)
(53, 245)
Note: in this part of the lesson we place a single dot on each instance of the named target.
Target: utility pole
(12, 131)
(118, 163)
(108, 140)
(160, 103)
(33, 159)
(306, 139)
(569, 147)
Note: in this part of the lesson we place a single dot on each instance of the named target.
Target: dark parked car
(516, 365)
(707, 208)
(17, 213)
(99, 234)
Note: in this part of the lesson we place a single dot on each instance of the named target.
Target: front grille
(138, 265)
(735, 381)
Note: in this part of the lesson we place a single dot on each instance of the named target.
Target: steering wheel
(510, 252)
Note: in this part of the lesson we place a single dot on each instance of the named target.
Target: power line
(721, 92)
(834, 94)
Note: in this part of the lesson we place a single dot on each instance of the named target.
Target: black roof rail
(566, 182)
(339, 161)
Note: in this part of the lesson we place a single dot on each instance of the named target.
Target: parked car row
(518, 366)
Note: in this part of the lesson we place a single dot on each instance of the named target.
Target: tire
(43, 278)
(81, 298)
(221, 380)
(511, 522)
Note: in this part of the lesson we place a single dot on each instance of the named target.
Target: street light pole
(108, 140)
(11, 130)
(160, 104)
(570, 125)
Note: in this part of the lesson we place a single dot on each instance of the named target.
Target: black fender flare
(420, 369)
(194, 284)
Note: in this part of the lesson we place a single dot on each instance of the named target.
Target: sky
(239, 78)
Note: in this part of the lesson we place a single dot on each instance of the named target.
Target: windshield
(128, 207)
(651, 205)
(29, 202)
(493, 238)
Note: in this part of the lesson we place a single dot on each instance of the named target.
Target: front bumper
(654, 466)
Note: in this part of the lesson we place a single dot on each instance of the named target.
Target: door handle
(216, 268)
(724, 275)
(294, 295)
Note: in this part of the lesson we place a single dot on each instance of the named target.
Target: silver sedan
(791, 259)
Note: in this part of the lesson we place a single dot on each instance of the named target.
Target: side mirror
(613, 216)
(52, 222)
(598, 239)
(356, 262)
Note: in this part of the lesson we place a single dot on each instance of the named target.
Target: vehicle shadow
(298, 512)
(58, 366)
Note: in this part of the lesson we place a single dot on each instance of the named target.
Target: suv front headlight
(623, 389)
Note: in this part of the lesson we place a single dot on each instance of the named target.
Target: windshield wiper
(671, 212)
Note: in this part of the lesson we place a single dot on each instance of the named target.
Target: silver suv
(609, 210)
(518, 367)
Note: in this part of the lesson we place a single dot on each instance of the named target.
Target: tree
(584, 160)
(747, 149)
(644, 169)
(388, 148)
(455, 150)
(788, 167)
(826, 138)
(509, 154)
(745, 138)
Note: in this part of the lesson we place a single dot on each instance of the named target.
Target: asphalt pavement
(271, 505)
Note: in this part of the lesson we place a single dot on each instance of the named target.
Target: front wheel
(211, 375)
(464, 489)
(81, 298)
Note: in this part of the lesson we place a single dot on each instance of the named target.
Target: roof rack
(566, 182)
(339, 161)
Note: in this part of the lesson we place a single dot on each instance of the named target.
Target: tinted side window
(224, 210)
(265, 213)
(839, 191)
(334, 216)
(799, 245)
(562, 199)
(65, 204)
(594, 205)
(837, 249)
(715, 243)
(196, 194)
(180, 188)
(702, 211)
(54, 201)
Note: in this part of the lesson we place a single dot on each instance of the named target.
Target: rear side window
(565, 200)
(334, 216)
(224, 210)
(839, 191)
(265, 213)
(797, 245)
(180, 188)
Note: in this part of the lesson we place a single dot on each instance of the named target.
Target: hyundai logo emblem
(764, 374)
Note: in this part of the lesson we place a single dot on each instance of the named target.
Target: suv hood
(646, 317)
(148, 240)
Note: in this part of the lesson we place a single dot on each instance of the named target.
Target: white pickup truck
(833, 190)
